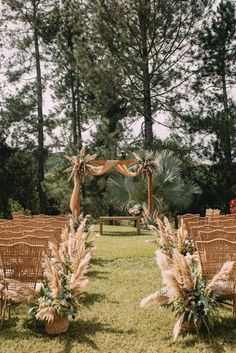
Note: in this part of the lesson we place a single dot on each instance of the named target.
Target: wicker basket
(189, 326)
(58, 325)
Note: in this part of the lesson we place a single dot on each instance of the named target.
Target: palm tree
(171, 192)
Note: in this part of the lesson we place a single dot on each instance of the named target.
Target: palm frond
(117, 189)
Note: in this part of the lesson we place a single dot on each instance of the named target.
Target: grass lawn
(123, 271)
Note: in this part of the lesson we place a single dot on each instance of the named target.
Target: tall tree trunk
(79, 127)
(40, 124)
(150, 193)
(147, 108)
(74, 113)
(227, 148)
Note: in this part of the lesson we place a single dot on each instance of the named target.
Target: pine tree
(22, 23)
(213, 111)
(67, 91)
(147, 40)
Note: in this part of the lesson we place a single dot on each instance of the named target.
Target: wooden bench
(119, 218)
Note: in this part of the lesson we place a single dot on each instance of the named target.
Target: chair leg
(3, 311)
(1, 303)
(234, 306)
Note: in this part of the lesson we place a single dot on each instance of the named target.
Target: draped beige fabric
(75, 199)
(108, 165)
(122, 168)
(96, 171)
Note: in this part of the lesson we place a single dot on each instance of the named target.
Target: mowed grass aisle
(123, 271)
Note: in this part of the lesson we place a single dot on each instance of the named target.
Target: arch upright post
(150, 192)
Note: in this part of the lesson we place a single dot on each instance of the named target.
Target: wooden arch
(99, 167)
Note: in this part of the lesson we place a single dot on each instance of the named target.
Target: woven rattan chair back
(213, 254)
(187, 216)
(214, 234)
(56, 224)
(20, 228)
(194, 223)
(40, 232)
(27, 239)
(194, 231)
(231, 216)
(22, 262)
(10, 234)
(20, 216)
(230, 229)
(228, 222)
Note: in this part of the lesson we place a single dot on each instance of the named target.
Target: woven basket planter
(58, 325)
(189, 326)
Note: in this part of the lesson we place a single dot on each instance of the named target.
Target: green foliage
(171, 193)
(16, 207)
(211, 120)
(17, 171)
(198, 306)
(147, 51)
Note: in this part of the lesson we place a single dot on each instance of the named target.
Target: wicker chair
(40, 232)
(215, 234)
(194, 231)
(187, 216)
(10, 234)
(20, 228)
(27, 239)
(18, 215)
(212, 255)
(189, 224)
(21, 262)
(230, 229)
(228, 221)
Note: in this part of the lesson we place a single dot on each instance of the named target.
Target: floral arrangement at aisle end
(84, 223)
(193, 300)
(65, 282)
(170, 238)
(135, 209)
(149, 219)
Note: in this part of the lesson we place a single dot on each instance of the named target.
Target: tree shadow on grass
(83, 332)
(98, 274)
(132, 233)
(91, 298)
(101, 262)
(80, 332)
(9, 323)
